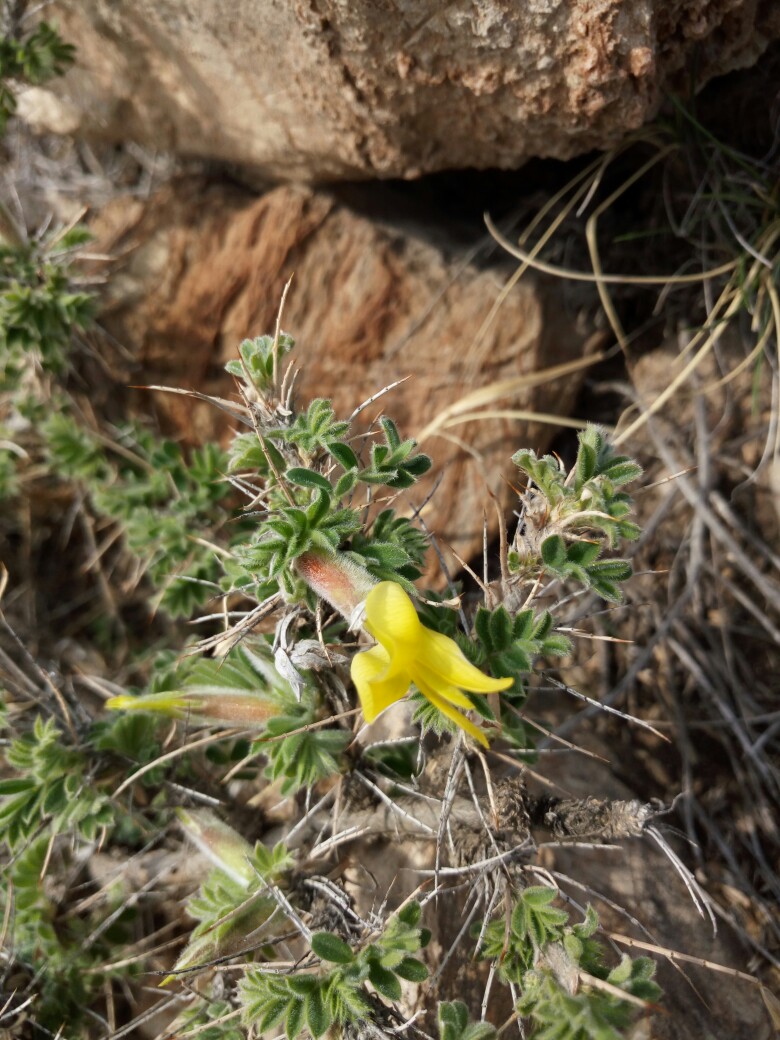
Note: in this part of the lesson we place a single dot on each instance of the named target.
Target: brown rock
(355, 88)
(201, 267)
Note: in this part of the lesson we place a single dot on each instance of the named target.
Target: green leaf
(16, 785)
(543, 625)
(308, 478)
(608, 591)
(539, 896)
(523, 625)
(302, 984)
(345, 483)
(583, 553)
(500, 628)
(613, 570)
(453, 1014)
(384, 981)
(319, 508)
(586, 464)
(329, 947)
(622, 973)
(557, 646)
(412, 970)
(386, 555)
(623, 472)
(482, 627)
(410, 914)
(318, 1017)
(294, 1022)
(554, 552)
(418, 465)
(343, 454)
(273, 1014)
(391, 432)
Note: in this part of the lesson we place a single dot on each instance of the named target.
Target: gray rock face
(330, 89)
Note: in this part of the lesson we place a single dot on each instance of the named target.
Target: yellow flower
(408, 652)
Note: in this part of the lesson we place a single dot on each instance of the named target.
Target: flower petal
(390, 615)
(168, 703)
(443, 656)
(377, 690)
(422, 675)
(452, 713)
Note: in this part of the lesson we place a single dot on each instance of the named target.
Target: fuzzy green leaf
(410, 914)
(554, 552)
(318, 1018)
(384, 981)
(329, 947)
(412, 970)
(308, 478)
(343, 454)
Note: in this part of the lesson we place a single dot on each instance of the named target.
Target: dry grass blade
(185, 749)
(603, 706)
(676, 955)
(602, 279)
(486, 395)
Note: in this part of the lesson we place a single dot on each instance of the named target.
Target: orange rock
(200, 267)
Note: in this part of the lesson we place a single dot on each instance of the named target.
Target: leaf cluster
(308, 511)
(165, 503)
(533, 923)
(52, 788)
(315, 431)
(131, 736)
(510, 645)
(259, 358)
(590, 1013)
(589, 496)
(393, 550)
(580, 562)
(393, 463)
(569, 518)
(232, 912)
(317, 1000)
(291, 531)
(34, 59)
(540, 952)
(301, 756)
(67, 971)
(40, 309)
(452, 1019)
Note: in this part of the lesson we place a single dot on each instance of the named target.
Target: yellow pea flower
(408, 652)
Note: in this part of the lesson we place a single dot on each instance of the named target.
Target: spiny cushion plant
(273, 711)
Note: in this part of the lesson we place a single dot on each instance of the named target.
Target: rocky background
(223, 149)
(338, 89)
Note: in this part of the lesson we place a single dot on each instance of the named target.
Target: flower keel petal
(452, 713)
(376, 689)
